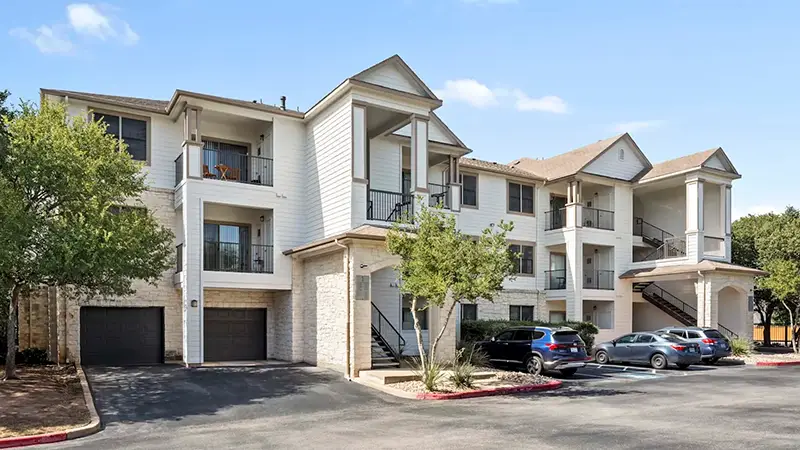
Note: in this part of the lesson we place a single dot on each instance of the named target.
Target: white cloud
(479, 95)
(46, 39)
(548, 103)
(632, 127)
(755, 210)
(89, 20)
(468, 91)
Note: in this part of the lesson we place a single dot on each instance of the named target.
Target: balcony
(599, 279)
(231, 166)
(555, 279)
(439, 195)
(389, 206)
(237, 257)
(555, 219)
(714, 246)
(598, 218)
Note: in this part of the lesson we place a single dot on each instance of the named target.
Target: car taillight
(680, 348)
(557, 346)
(708, 341)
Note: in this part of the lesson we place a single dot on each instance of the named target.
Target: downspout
(347, 328)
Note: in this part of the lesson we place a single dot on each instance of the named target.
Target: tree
(61, 184)
(438, 263)
(745, 253)
(5, 115)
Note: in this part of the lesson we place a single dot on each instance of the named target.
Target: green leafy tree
(745, 253)
(61, 184)
(443, 267)
(6, 114)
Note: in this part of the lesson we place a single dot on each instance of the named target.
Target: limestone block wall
(499, 308)
(325, 311)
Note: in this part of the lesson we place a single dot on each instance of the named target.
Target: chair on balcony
(206, 173)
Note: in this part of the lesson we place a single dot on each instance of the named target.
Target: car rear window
(671, 337)
(714, 334)
(567, 337)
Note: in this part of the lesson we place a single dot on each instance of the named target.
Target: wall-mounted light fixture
(261, 218)
(194, 303)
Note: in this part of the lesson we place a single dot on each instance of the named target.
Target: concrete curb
(777, 363)
(555, 384)
(92, 427)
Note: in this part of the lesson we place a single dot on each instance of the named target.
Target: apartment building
(280, 220)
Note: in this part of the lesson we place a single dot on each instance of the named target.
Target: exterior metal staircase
(665, 243)
(679, 310)
(387, 342)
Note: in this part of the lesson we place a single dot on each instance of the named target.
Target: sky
(518, 77)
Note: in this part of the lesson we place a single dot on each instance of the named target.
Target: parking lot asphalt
(306, 407)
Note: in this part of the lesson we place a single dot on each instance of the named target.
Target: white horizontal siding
(492, 207)
(391, 76)
(715, 163)
(610, 165)
(435, 133)
(385, 160)
(329, 176)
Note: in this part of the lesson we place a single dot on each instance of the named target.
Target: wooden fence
(779, 334)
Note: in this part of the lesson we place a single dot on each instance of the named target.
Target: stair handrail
(727, 331)
(379, 330)
(660, 232)
(656, 290)
(668, 248)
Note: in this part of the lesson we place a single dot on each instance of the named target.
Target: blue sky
(519, 78)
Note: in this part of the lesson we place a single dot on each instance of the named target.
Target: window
(132, 131)
(406, 188)
(469, 190)
(693, 335)
(469, 311)
(622, 154)
(520, 198)
(627, 339)
(558, 316)
(504, 336)
(518, 312)
(523, 258)
(680, 333)
(538, 334)
(408, 318)
(644, 339)
(227, 248)
(523, 335)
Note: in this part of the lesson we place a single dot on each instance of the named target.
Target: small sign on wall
(362, 287)
(750, 303)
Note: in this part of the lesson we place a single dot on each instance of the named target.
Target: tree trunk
(766, 320)
(418, 332)
(791, 323)
(441, 330)
(11, 336)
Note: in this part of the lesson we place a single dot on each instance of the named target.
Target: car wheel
(683, 366)
(601, 357)
(534, 365)
(658, 361)
(568, 372)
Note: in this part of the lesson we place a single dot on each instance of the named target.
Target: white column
(419, 159)
(455, 185)
(694, 220)
(359, 142)
(725, 202)
(192, 287)
(574, 276)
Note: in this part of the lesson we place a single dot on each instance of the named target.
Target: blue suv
(537, 349)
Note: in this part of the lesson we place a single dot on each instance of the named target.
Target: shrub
(470, 353)
(431, 376)
(30, 357)
(741, 347)
(481, 330)
(463, 375)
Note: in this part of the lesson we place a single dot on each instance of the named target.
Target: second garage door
(235, 334)
(122, 336)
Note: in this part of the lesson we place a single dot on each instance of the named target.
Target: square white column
(694, 220)
(192, 287)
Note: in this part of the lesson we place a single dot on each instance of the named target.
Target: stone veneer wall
(498, 309)
(325, 311)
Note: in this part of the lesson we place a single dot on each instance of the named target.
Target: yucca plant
(463, 375)
(741, 347)
(430, 374)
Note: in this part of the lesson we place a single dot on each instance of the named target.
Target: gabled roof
(397, 62)
(572, 162)
(499, 168)
(690, 162)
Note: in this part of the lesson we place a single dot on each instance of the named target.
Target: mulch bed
(45, 399)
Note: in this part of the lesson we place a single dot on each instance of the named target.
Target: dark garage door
(235, 334)
(122, 336)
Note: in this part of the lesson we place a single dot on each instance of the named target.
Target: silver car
(657, 349)
(713, 345)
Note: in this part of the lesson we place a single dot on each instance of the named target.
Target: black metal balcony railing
(389, 206)
(179, 169)
(674, 247)
(439, 195)
(555, 219)
(599, 279)
(555, 279)
(179, 258)
(598, 218)
(237, 167)
(650, 233)
(236, 257)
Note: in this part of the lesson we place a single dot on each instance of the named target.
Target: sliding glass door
(226, 247)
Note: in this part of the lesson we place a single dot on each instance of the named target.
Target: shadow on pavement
(137, 394)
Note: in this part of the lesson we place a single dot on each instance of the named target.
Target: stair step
(383, 359)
